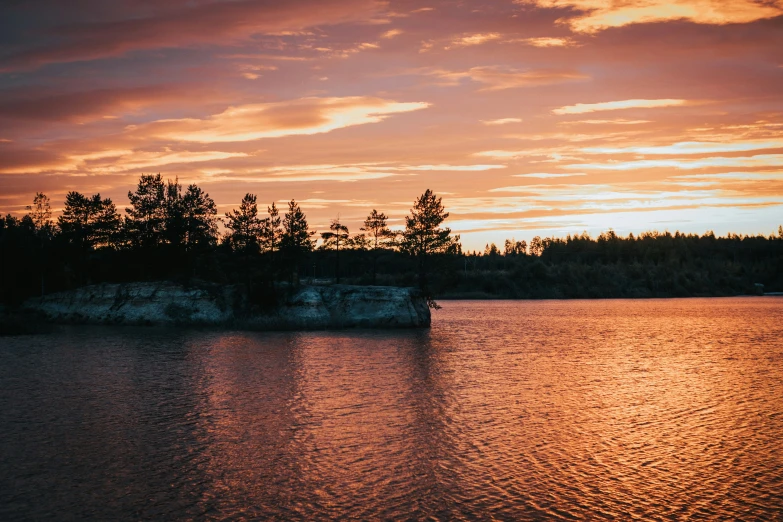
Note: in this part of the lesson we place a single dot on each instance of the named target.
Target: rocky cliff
(305, 308)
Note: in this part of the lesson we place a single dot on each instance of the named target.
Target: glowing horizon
(529, 117)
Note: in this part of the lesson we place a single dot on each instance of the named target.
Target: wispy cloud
(391, 33)
(690, 147)
(350, 172)
(546, 41)
(618, 121)
(501, 121)
(473, 39)
(582, 108)
(547, 175)
(497, 78)
(597, 15)
(274, 120)
(762, 175)
(761, 160)
(116, 161)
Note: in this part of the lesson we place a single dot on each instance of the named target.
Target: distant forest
(172, 233)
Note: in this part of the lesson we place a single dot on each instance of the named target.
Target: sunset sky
(529, 117)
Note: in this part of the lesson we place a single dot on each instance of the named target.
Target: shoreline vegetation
(171, 233)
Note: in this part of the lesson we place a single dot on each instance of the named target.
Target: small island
(168, 263)
(307, 307)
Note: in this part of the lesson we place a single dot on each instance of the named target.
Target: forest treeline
(171, 232)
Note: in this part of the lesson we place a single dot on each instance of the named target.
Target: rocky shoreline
(302, 308)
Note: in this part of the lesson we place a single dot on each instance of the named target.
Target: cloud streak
(497, 78)
(583, 108)
(305, 116)
(598, 15)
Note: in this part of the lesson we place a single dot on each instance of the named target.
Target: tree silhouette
(75, 218)
(41, 212)
(89, 222)
(271, 230)
(513, 247)
(244, 225)
(359, 242)
(377, 228)
(41, 217)
(174, 228)
(536, 246)
(423, 237)
(104, 225)
(338, 233)
(199, 216)
(295, 242)
(491, 250)
(147, 213)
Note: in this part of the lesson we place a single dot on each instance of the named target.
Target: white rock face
(307, 308)
(137, 303)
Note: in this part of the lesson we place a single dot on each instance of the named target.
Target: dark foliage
(171, 234)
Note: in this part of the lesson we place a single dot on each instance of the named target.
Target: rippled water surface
(656, 409)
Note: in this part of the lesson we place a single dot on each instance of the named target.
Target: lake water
(656, 409)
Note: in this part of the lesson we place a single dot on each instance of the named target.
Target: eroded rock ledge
(305, 308)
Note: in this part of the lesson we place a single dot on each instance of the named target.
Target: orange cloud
(500, 78)
(547, 175)
(603, 14)
(582, 108)
(501, 121)
(740, 176)
(114, 161)
(618, 121)
(350, 172)
(544, 41)
(690, 147)
(391, 33)
(760, 160)
(274, 120)
(473, 39)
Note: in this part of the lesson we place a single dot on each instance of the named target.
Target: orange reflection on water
(651, 409)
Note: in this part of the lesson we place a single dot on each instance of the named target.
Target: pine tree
(536, 246)
(338, 233)
(74, 221)
(41, 212)
(271, 230)
(147, 214)
(41, 218)
(244, 225)
(199, 215)
(89, 222)
(423, 237)
(359, 242)
(105, 225)
(295, 242)
(513, 247)
(174, 227)
(376, 226)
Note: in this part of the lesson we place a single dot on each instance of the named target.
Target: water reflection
(602, 409)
